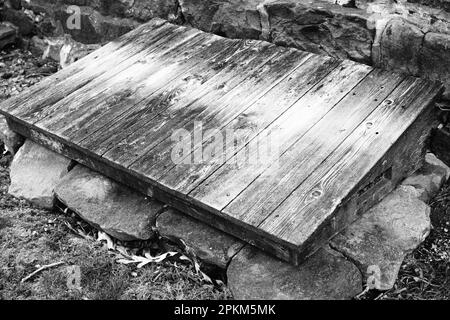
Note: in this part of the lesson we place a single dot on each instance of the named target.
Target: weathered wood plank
(46, 105)
(171, 79)
(245, 126)
(148, 39)
(217, 115)
(273, 186)
(210, 105)
(231, 179)
(315, 200)
(122, 90)
(178, 97)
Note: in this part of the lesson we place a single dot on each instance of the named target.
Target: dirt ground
(31, 238)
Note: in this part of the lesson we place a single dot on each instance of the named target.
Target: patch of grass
(30, 237)
(172, 281)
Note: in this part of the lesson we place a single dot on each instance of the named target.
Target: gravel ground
(20, 69)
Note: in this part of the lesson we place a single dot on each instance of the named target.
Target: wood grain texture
(315, 199)
(273, 186)
(62, 100)
(156, 28)
(150, 100)
(174, 104)
(80, 73)
(104, 96)
(215, 117)
(209, 105)
(247, 125)
(232, 178)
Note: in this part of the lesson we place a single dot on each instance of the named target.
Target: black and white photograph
(222, 156)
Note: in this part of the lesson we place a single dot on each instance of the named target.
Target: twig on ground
(41, 269)
(366, 289)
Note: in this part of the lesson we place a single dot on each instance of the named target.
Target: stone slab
(327, 275)
(210, 245)
(430, 178)
(119, 211)
(35, 171)
(379, 241)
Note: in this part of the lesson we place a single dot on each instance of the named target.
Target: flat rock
(379, 241)
(401, 42)
(430, 178)
(210, 245)
(119, 211)
(10, 139)
(19, 19)
(8, 35)
(35, 171)
(326, 275)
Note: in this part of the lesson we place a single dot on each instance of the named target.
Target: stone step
(429, 179)
(326, 275)
(35, 171)
(381, 239)
(116, 209)
(208, 244)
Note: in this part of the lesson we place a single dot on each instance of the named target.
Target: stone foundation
(408, 36)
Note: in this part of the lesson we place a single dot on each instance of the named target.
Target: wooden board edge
(284, 251)
(381, 180)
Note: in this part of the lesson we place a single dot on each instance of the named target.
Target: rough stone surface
(35, 171)
(20, 19)
(408, 36)
(400, 46)
(208, 244)
(63, 49)
(237, 20)
(10, 139)
(116, 209)
(95, 27)
(144, 10)
(435, 58)
(441, 4)
(326, 275)
(379, 241)
(430, 178)
(321, 27)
